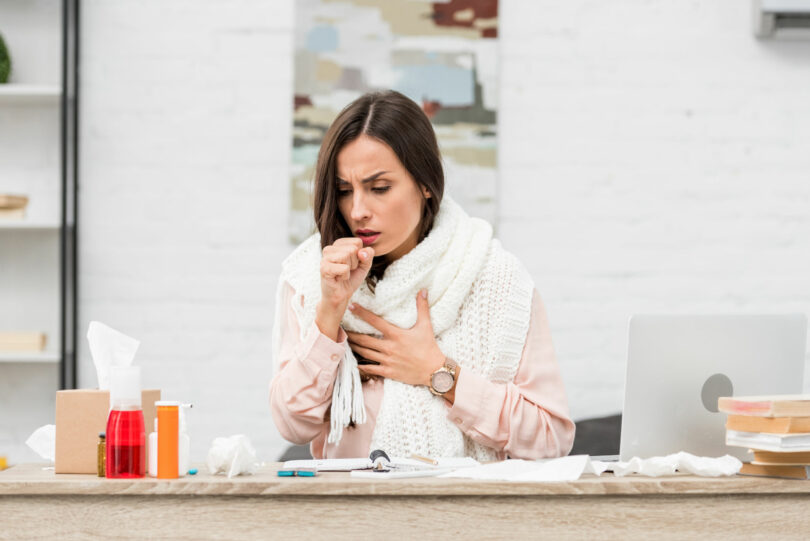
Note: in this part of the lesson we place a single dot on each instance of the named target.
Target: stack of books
(13, 206)
(776, 429)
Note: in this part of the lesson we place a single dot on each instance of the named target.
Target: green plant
(5, 61)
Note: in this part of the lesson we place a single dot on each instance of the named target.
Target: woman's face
(378, 198)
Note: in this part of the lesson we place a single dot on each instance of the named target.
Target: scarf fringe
(347, 397)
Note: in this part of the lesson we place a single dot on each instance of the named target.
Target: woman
(402, 287)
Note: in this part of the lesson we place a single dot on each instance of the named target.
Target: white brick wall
(654, 157)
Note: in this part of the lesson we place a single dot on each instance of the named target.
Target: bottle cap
(125, 387)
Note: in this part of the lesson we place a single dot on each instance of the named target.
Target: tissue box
(80, 415)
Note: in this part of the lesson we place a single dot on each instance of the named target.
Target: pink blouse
(526, 418)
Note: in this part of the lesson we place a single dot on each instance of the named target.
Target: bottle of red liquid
(126, 437)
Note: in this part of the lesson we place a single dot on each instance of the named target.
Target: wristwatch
(443, 379)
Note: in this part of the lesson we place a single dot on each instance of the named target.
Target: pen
(425, 459)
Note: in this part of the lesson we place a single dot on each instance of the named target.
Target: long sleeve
(301, 391)
(526, 418)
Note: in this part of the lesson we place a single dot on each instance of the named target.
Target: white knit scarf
(480, 302)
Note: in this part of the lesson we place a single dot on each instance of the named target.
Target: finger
(373, 370)
(366, 255)
(349, 241)
(339, 271)
(351, 256)
(365, 340)
(422, 309)
(373, 319)
(341, 254)
(370, 354)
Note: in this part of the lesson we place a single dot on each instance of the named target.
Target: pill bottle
(168, 432)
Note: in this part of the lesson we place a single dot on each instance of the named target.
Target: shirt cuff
(321, 354)
(471, 394)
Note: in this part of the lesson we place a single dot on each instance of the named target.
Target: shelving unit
(38, 150)
(30, 357)
(19, 94)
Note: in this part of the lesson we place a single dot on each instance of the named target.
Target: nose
(360, 211)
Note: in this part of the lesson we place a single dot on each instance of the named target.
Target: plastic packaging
(126, 438)
(184, 443)
(153, 456)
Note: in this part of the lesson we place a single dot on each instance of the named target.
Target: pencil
(425, 459)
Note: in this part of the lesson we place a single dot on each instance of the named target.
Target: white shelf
(19, 94)
(29, 357)
(24, 225)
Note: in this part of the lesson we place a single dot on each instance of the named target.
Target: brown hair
(400, 123)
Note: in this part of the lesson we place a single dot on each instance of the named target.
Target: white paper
(496, 470)
(109, 348)
(43, 442)
(330, 464)
(569, 468)
(350, 464)
(398, 474)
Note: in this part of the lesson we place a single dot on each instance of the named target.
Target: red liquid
(126, 444)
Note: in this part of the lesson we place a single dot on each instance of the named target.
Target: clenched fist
(344, 267)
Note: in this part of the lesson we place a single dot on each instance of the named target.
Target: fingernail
(351, 306)
(424, 293)
(362, 254)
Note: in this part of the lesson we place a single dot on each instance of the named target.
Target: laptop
(679, 365)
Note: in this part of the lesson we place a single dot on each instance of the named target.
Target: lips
(367, 236)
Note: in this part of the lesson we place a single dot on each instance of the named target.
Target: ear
(427, 193)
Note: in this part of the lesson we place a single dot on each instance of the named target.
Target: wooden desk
(39, 504)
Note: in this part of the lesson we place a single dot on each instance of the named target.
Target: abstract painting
(443, 55)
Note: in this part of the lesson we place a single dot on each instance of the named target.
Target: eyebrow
(366, 180)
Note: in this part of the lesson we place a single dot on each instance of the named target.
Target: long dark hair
(400, 123)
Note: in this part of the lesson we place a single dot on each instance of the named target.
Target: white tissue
(109, 348)
(233, 456)
(43, 442)
(683, 462)
(571, 468)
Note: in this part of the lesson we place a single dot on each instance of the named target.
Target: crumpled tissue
(571, 468)
(43, 442)
(683, 462)
(109, 348)
(233, 456)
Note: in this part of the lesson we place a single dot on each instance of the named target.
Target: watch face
(442, 381)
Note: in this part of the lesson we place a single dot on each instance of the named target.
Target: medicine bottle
(101, 452)
(126, 438)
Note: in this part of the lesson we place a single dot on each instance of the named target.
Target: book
(768, 442)
(8, 201)
(784, 458)
(771, 425)
(22, 341)
(786, 472)
(787, 405)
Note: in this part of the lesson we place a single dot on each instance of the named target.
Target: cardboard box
(80, 415)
